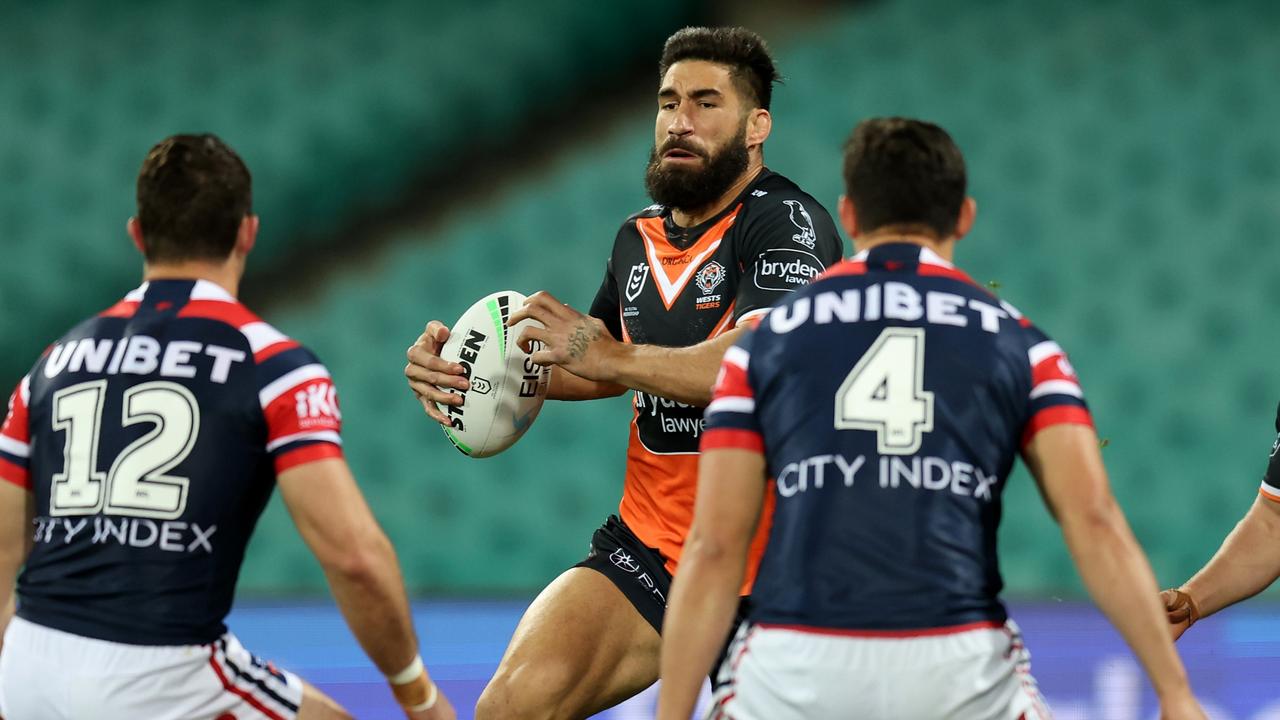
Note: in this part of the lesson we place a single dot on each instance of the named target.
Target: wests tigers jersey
(151, 436)
(673, 286)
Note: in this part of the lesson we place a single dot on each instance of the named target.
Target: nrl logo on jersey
(800, 218)
(635, 281)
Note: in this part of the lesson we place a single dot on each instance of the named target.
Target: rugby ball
(507, 388)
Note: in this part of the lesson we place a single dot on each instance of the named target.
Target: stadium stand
(1123, 156)
(1125, 164)
(336, 107)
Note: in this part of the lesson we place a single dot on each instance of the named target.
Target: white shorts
(47, 674)
(773, 673)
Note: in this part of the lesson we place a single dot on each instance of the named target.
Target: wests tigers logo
(709, 277)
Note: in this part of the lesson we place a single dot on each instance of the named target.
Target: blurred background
(411, 156)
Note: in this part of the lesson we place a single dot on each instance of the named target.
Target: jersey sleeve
(606, 305)
(1271, 479)
(300, 405)
(731, 417)
(15, 438)
(789, 240)
(1056, 397)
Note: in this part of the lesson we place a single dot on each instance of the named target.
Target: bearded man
(725, 239)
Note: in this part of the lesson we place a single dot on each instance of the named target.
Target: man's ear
(848, 216)
(759, 125)
(134, 228)
(247, 235)
(968, 213)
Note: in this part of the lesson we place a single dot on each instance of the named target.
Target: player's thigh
(25, 680)
(581, 647)
(318, 706)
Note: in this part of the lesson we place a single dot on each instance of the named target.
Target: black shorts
(640, 572)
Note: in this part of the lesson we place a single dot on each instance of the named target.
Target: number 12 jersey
(151, 436)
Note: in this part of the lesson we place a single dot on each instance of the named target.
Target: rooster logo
(806, 237)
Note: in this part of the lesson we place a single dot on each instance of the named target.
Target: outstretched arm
(582, 345)
(363, 574)
(1066, 462)
(1247, 562)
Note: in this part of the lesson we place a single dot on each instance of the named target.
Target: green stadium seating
(1123, 156)
(1125, 165)
(336, 107)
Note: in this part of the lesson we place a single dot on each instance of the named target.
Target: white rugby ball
(507, 388)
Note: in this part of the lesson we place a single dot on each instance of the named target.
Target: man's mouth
(679, 154)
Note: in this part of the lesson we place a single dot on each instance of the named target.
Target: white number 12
(136, 485)
(884, 393)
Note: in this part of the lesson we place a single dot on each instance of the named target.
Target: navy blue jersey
(890, 399)
(151, 436)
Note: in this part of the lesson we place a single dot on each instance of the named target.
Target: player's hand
(1183, 707)
(578, 343)
(427, 372)
(442, 710)
(1180, 609)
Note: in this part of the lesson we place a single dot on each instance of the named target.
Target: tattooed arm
(582, 345)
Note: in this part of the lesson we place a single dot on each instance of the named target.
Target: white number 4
(884, 393)
(137, 484)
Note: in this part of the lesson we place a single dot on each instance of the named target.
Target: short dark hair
(904, 172)
(743, 51)
(193, 192)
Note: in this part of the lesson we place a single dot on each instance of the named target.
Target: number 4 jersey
(151, 436)
(890, 398)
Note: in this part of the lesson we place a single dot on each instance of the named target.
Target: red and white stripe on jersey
(304, 422)
(211, 301)
(15, 438)
(731, 420)
(128, 305)
(1056, 397)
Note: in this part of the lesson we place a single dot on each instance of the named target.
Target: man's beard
(697, 187)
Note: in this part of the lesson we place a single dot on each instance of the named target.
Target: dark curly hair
(741, 50)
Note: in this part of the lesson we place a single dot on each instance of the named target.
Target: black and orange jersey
(673, 286)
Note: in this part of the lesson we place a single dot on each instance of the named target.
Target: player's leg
(581, 647)
(30, 676)
(318, 706)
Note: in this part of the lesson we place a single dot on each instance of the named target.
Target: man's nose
(680, 124)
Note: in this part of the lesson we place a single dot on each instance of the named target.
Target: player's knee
(525, 694)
